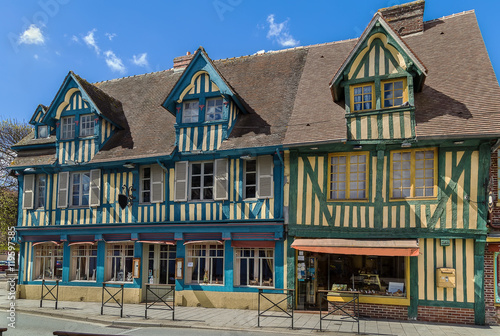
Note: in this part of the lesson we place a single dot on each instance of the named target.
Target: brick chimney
(181, 62)
(407, 18)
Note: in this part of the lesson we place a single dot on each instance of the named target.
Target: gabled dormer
(378, 81)
(83, 117)
(204, 104)
(42, 131)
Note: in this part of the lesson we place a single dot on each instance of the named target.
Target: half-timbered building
(173, 177)
(358, 165)
(387, 160)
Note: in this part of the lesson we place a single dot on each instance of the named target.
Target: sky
(41, 41)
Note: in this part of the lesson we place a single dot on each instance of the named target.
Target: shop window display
(370, 275)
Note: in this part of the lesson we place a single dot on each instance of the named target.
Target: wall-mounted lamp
(30, 169)
(357, 147)
(406, 144)
(246, 157)
(459, 142)
(314, 148)
(72, 163)
(129, 165)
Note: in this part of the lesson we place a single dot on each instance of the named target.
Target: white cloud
(75, 38)
(32, 35)
(110, 36)
(113, 62)
(279, 32)
(141, 60)
(260, 52)
(35, 56)
(90, 40)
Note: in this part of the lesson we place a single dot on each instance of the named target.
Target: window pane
(196, 168)
(208, 168)
(207, 193)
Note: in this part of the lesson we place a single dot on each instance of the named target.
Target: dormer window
(214, 109)
(86, 125)
(43, 131)
(394, 93)
(68, 127)
(362, 97)
(191, 111)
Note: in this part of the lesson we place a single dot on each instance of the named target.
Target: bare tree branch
(11, 132)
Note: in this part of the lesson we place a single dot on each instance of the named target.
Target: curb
(114, 321)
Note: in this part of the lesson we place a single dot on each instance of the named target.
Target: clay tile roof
(289, 100)
(110, 107)
(461, 90)
(149, 128)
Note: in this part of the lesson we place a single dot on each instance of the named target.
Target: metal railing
(112, 296)
(289, 298)
(49, 291)
(335, 307)
(169, 290)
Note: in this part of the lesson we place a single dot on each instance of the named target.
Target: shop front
(377, 269)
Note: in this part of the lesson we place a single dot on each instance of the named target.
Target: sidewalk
(233, 319)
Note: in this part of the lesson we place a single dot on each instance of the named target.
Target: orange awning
(379, 247)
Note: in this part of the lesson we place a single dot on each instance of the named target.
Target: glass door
(161, 264)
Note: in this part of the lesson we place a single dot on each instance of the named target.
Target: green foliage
(11, 132)
(8, 213)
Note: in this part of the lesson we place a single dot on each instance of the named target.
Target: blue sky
(40, 41)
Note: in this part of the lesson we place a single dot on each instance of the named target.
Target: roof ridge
(286, 50)
(131, 76)
(451, 16)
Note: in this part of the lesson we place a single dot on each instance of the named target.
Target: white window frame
(194, 260)
(39, 128)
(191, 111)
(87, 125)
(155, 258)
(46, 257)
(212, 109)
(245, 182)
(68, 127)
(202, 176)
(81, 192)
(258, 266)
(122, 258)
(143, 189)
(82, 261)
(41, 191)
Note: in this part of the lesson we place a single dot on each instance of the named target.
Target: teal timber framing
(458, 213)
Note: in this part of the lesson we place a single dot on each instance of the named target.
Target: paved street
(85, 317)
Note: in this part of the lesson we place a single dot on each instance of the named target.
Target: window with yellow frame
(362, 97)
(413, 173)
(394, 93)
(348, 174)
